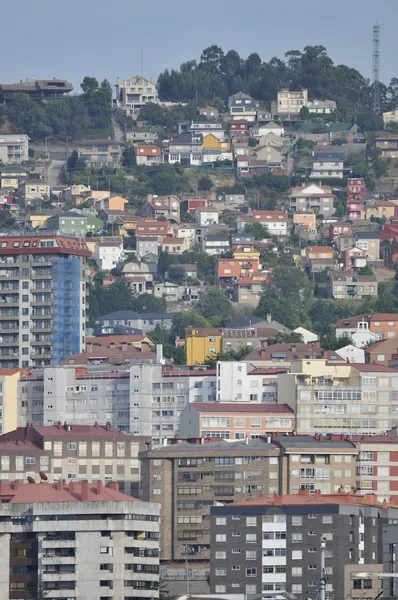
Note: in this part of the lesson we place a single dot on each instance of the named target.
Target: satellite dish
(31, 480)
(43, 476)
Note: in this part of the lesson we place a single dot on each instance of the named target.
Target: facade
(368, 241)
(201, 344)
(128, 318)
(275, 221)
(29, 192)
(11, 177)
(312, 198)
(37, 89)
(72, 453)
(205, 216)
(377, 465)
(100, 153)
(186, 148)
(148, 154)
(388, 144)
(242, 107)
(234, 421)
(189, 478)
(9, 382)
(42, 297)
(348, 285)
(384, 325)
(327, 165)
(108, 253)
(323, 107)
(77, 540)
(73, 222)
(162, 206)
(289, 102)
(353, 258)
(233, 269)
(135, 92)
(238, 381)
(14, 149)
(273, 545)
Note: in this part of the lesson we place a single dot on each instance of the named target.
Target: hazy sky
(73, 38)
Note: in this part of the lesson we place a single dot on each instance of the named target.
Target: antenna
(142, 60)
(376, 68)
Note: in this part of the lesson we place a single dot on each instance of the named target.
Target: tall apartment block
(273, 544)
(189, 478)
(42, 299)
(72, 453)
(77, 541)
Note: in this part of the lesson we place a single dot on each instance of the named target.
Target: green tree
(129, 157)
(147, 303)
(259, 231)
(380, 167)
(215, 304)
(176, 275)
(182, 320)
(205, 183)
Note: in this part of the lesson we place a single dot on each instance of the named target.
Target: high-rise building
(77, 541)
(42, 299)
(274, 545)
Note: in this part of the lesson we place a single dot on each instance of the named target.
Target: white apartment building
(134, 92)
(107, 254)
(82, 541)
(14, 148)
(327, 165)
(348, 399)
(240, 382)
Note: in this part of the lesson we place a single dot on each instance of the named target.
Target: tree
(259, 231)
(176, 275)
(205, 183)
(215, 304)
(182, 320)
(253, 142)
(380, 167)
(287, 297)
(146, 303)
(129, 157)
(89, 85)
(369, 121)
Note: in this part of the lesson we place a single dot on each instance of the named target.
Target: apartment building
(384, 325)
(190, 478)
(72, 453)
(31, 191)
(42, 299)
(234, 421)
(100, 152)
(135, 92)
(273, 545)
(377, 465)
(14, 148)
(341, 398)
(201, 344)
(324, 463)
(348, 285)
(9, 379)
(289, 102)
(312, 198)
(238, 381)
(77, 540)
(327, 165)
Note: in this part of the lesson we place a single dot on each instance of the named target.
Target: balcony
(51, 559)
(42, 262)
(61, 543)
(61, 577)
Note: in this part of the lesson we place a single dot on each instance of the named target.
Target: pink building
(353, 258)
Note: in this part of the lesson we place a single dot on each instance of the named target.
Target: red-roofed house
(233, 420)
(275, 221)
(232, 268)
(148, 154)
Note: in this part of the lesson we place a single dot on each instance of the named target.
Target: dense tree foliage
(217, 75)
(70, 117)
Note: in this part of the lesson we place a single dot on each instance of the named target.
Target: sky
(75, 38)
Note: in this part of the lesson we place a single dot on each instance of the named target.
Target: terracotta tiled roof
(314, 499)
(373, 368)
(30, 493)
(232, 407)
(384, 317)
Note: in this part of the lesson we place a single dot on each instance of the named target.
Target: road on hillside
(53, 172)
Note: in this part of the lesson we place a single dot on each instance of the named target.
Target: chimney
(16, 484)
(58, 424)
(107, 426)
(100, 488)
(71, 487)
(84, 491)
(114, 485)
(1, 487)
(159, 354)
(58, 485)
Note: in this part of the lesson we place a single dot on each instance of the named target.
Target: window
(30, 460)
(297, 588)
(251, 572)
(221, 572)
(221, 554)
(251, 538)
(297, 571)
(297, 554)
(251, 521)
(327, 519)
(251, 554)
(221, 521)
(221, 537)
(297, 538)
(221, 589)
(296, 521)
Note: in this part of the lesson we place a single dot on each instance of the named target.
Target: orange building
(234, 421)
(306, 219)
(232, 268)
(384, 324)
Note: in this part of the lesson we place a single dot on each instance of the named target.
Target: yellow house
(314, 252)
(210, 141)
(201, 344)
(380, 209)
(9, 379)
(38, 221)
(129, 223)
(10, 176)
(252, 254)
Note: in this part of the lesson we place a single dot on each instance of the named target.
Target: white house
(266, 128)
(358, 332)
(108, 253)
(352, 354)
(275, 221)
(241, 382)
(327, 165)
(205, 215)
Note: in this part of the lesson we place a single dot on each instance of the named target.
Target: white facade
(323, 107)
(307, 335)
(14, 149)
(206, 216)
(187, 233)
(134, 92)
(359, 335)
(236, 383)
(107, 255)
(331, 169)
(352, 354)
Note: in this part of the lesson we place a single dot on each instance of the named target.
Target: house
(247, 289)
(205, 215)
(308, 336)
(356, 188)
(108, 253)
(235, 268)
(14, 148)
(139, 276)
(135, 92)
(211, 141)
(13, 176)
(327, 165)
(266, 128)
(382, 351)
(215, 128)
(174, 293)
(323, 107)
(319, 252)
(174, 245)
(357, 328)
(99, 153)
(142, 135)
(312, 198)
(369, 241)
(238, 128)
(110, 203)
(146, 245)
(73, 222)
(148, 154)
(210, 112)
(354, 209)
(161, 206)
(153, 228)
(36, 89)
(186, 231)
(352, 354)
(275, 221)
(193, 203)
(390, 117)
(269, 154)
(387, 142)
(291, 102)
(353, 258)
(339, 228)
(381, 209)
(242, 107)
(31, 191)
(129, 318)
(185, 149)
(305, 219)
(384, 325)
(215, 243)
(201, 344)
(349, 285)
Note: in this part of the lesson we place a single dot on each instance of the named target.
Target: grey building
(273, 544)
(145, 321)
(73, 222)
(348, 285)
(147, 245)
